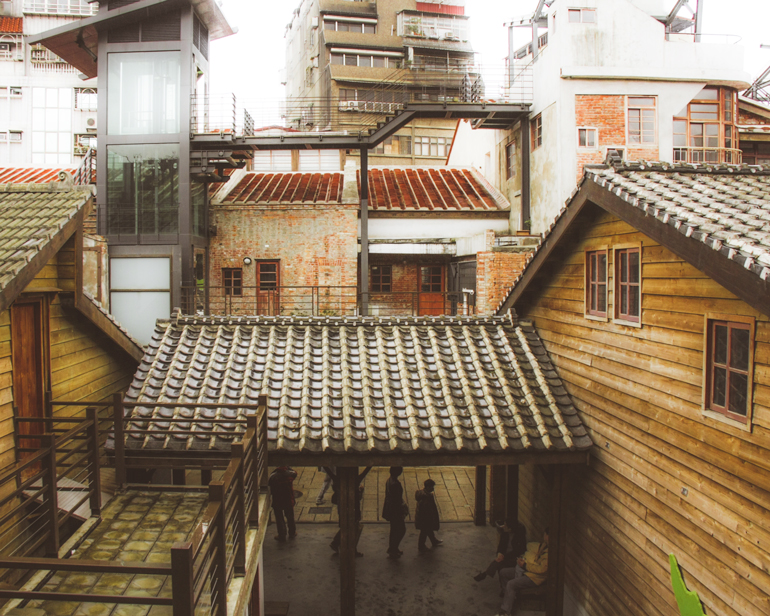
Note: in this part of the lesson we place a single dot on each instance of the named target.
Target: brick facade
(495, 272)
(607, 114)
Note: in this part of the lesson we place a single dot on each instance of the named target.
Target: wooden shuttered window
(728, 378)
(628, 285)
(596, 283)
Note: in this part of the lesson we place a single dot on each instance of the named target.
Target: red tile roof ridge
(269, 188)
(12, 25)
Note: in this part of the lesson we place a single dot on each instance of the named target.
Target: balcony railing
(708, 155)
(79, 8)
(321, 301)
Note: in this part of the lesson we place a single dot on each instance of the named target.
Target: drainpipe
(698, 20)
(526, 217)
(365, 232)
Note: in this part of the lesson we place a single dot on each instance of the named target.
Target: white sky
(249, 63)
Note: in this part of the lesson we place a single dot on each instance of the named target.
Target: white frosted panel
(51, 159)
(38, 143)
(38, 118)
(51, 119)
(65, 119)
(38, 159)
(65, 98)
(38, 97)
(144, 273)
(65, 160)
(51, 98)
(64, 142)
(51, 142)
(138, 311)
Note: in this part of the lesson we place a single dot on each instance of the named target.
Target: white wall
(432, 228)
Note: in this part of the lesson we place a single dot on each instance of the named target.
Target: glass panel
(709, 94)
(720, 344)
(633, 266)
(378, 61)
(198, 199)
(142, 189)
(739, 349)
(574, 15)
(589, 16)
(369, 28)
(138, 311)
(623, 266)
(141, 273)
(602, 267)
(602, 297)
(739, 389)
(641, 101)
(351, 60)
(268, 276)
(145, 93)
(633, 301)
(342, 26)
(623, 300)
(329, 25)
(337, 58)
(720, 379)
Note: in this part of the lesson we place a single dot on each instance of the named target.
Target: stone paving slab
(135, 527)
(455, 492)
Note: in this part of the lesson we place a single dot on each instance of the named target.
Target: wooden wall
(663, 478)
(85, 364)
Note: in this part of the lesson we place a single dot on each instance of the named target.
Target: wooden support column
(348, 533)
(178, 476)
(512, 492)
(497, 489)
(557, 545)
(480, 510)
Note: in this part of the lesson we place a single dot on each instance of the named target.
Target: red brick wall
(606, 113)
(495, 273)
(316, 247)
(405, 285)
(746, 117)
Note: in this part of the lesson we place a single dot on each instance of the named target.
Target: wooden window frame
(510, 159)
(590, 284)
(625, 319)
(229, 281)
(537, 131)
(258, 274)
(723, 414)
(442, 281)
(641, 109)
(377, 285)
(588, 130)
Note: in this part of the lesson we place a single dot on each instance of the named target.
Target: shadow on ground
(305, 573)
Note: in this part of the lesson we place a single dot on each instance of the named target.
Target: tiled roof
(30, 175)
(11, 25)
(726, 207)
(356, 385)
(275, 188)
(431, 189)
(30, 216)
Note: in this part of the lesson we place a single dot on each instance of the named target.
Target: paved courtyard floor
(305, 573)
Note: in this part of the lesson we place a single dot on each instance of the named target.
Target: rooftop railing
(730, 156)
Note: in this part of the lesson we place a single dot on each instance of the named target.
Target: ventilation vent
(201, 37)
(116, 4)
(129, 34)
(163, 28)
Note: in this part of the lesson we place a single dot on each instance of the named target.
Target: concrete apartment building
(47, 113)
(347, 62)
(621, 75)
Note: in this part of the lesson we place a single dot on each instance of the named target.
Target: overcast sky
(249, 63)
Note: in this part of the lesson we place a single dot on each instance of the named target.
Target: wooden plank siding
(663, 478)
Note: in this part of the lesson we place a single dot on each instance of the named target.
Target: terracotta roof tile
(333, 385)
(258, 188)
(12, 25)
(31, 175)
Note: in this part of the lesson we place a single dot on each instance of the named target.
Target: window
(267, 275)
(596, 283)
(85, 99)
(587, 138)
(365, 60)
(628, 285)
(729, 363)
(13, 136)
(81, 8)
(397, 145)
(233, 279)
(381, 276)
(510, 159)
(704, 130)
(344, 25)
(432, 146)
(431, 279)
(585, 16)
(83, 143)
(641, 119)
(537, 131)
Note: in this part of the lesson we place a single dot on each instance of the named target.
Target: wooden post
(557, 545)
(239, 563)
(178, 476)
(497, 498)
(219, 587)
(262, 440)
(119, 440)
(512, 492)
(479, 515)
(94, 476)
(348, 478)
(253, 478)
(48, 441)
(182, 579)
(205, 476)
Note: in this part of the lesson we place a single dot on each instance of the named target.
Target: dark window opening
(233, 279)
(596, 283)
(728, 378)
(628, 284)
(381, 277)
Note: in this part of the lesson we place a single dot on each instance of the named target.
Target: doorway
(431, 293)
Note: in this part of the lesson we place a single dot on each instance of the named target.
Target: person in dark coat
(394, 511)
(426, 515)
(281, 484)
(512, 543)
(335, 544)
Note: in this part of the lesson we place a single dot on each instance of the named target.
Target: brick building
(288, 243)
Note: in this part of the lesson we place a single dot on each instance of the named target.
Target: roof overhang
(78, 41)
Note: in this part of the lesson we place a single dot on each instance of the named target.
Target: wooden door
(29, 374)
(268, 285)
(431, 292)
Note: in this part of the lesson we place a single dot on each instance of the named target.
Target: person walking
(426, 515)
(281, 484)
(320, 500)
(394, 510)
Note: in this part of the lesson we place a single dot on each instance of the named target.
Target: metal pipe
(364, 232)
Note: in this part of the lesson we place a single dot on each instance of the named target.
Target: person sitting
(531, 570)
(512, 543)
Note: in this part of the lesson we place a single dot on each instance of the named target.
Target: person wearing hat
(426, 515)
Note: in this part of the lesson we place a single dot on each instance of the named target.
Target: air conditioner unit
(91, 123)
(315, 22)
(354, 105)
(5, 47)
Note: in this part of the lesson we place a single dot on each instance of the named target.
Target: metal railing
(731, 156)
(81, 8)
(86, 173)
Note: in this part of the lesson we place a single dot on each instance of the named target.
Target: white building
(610, 74)
(47, 113)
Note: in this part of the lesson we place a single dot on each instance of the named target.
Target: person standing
(394, 511)
(426, 515)
(281, 484)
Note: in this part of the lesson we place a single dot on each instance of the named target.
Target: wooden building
(651, 293)
(56, 342)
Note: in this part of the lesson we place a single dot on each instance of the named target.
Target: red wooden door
(28, 370)
(268, 284)
(431, 295)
